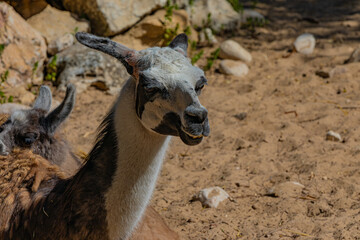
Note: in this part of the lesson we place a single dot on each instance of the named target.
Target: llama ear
(126, 55)
(59, 114)
(43, 101)
(180, 43)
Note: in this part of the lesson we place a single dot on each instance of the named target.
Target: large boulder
(84, 67)
(216, 14)
(27, 8)
(22, 49)
(150, 31)
(54, 24)
(107, 17)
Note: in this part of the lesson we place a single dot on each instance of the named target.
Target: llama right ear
(43, 101)
(126, 55)
(59, 114)
(180, 44)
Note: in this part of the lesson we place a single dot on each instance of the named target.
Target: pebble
(338, 70)
(305, 43)
(211, 197)
(286, 189)
(333, 136)
(60, 44)
(354, 57)
(230, 49)
(232, 67)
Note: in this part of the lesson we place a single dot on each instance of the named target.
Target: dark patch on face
(147, 90)
(169, 125)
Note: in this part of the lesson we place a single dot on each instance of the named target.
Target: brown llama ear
(43, 101)
(59, 114)
(180, 43)
(126, 55)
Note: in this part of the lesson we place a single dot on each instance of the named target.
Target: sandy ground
(285, 179)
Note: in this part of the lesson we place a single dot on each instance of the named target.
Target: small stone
(338, 70)
(231, 67)
(305, 43)
(210, 36)
(230, 49)
(354, 57)
(322, 74)
(333, 136)
(247, 14)
(61, 44)
(286, 190)
(241, 116)
(211, 197)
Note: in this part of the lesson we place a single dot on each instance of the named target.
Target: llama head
(35, 128)
(167, 86)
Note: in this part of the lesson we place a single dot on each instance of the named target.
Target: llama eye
(151, 90)
(29, 138)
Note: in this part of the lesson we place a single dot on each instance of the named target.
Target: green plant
(237, 6)
(197, 56)
(3, 97)
(210, 60)
(35, 67)
(2, 47)
(76, 29)
(252, 23)
(51, 70)
(170, 32)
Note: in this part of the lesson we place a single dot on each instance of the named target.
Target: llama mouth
(189, 138)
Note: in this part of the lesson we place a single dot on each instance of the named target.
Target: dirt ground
(285, 179)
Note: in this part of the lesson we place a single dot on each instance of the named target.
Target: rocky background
(283, 101)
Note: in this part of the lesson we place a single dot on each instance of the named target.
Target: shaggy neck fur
(108, 196)
(140, 156)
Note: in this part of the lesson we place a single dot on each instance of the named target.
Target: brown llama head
(35, 128)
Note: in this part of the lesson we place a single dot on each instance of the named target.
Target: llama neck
(139, 158)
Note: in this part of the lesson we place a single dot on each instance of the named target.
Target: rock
(23, 49)
(322, 74)
(61, 44)
(211, 197)
(84, 67)
(108, 18)
(222, 15)
(233, 67)
(241, 116)
(230, 49)
(354, 57)
(207, 38)
(305, 43)
(54, 24)
(333, 136)
(286, 190)
(27, 8)
(247, 14)
(9, 108)
(149, 32)
(338, 70)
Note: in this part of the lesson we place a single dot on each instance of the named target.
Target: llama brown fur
(21, 174)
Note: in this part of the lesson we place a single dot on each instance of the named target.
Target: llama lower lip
(190, 139)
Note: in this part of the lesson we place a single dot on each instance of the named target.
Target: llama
(25, 171)
(107, 197)
(35, 129)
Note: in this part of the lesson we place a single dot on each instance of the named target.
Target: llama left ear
(180, 44)
(126, 55)
(62, 112)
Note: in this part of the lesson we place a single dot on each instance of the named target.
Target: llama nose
(195, 114)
